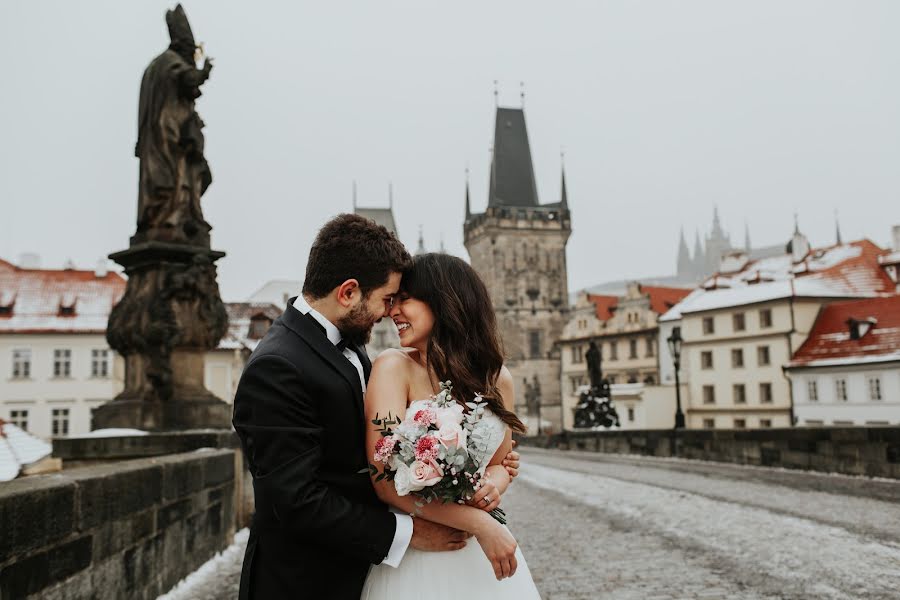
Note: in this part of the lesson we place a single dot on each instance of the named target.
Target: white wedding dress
(465, 573)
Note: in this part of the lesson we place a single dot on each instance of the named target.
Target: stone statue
(171, 313)
(595, 406)
(173, 171)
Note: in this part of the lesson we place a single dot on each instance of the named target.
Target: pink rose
(451, 435)
(424, 474)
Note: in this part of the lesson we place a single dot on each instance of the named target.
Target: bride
(448, 331)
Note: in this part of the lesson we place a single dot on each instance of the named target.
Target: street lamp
(675, 342)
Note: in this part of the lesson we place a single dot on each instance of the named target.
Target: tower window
(534, 343)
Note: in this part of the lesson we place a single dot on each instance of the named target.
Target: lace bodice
(489, 423)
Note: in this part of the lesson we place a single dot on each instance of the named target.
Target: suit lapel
(294, 320)
(366, 363)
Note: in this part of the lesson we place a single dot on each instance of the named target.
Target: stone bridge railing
(872, 451)
(126, 518)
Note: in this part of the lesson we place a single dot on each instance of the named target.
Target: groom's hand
(511, 462)
(434, 537)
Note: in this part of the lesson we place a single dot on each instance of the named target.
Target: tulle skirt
(461, 574)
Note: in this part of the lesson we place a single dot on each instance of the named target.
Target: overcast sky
(664, 110)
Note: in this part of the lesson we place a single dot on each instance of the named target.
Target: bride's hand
(487, 498)
(498, 545)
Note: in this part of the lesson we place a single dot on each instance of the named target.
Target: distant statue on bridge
(173, 171)
(595, 406)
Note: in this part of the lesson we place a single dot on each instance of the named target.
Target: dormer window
(7, 301)
(67, 305)
(259, 326)
(860, 327)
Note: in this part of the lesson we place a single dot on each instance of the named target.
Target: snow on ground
(211, 570)
(110, 432)
(825, 561)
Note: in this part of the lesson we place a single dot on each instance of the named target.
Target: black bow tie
(341, 345)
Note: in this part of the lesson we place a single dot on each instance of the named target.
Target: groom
(299, 414)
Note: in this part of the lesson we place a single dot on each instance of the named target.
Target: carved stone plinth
(170, 316)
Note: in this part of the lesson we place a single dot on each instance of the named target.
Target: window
(738, 322)
(60, 421)
(632, 348)
(765, 393)
(765, 318)
(839, 422)
(706, 359)
(875, 388)
(649, 380)
(651, 348)
(762, 356)
(709, 423)
(612, 379)
(737, 358)
(709, 394)
(740, 423)
(21, 363)
(840, 389)
(739, 392)
(813, 422)
(534, 344)
(709, 326)
(19, 418)
(576, 383)
(630, 415)
(380, 339)
(613, 351)
(62, 363)
(577, 354)
(100, 363)
(259, 326)
(812, 390)
(765, 423)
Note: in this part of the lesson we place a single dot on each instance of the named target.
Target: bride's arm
(497, 475)
(386, 394)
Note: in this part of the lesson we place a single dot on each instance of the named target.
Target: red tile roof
(830, 342)
(33, 297)
(605, 305)
(661, 300)
(664, 298)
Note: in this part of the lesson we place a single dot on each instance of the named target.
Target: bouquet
(436, 452)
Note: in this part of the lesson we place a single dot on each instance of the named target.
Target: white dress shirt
(404, 530)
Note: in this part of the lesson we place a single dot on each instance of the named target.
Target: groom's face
(357, 325)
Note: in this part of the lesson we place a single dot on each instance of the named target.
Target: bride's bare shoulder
(393, 359)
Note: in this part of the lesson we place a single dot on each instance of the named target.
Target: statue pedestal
(170, 316)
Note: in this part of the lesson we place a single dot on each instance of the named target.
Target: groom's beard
(357, 326)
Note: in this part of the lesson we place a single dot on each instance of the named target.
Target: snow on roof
(845, 271)
(19, 448)
(240, 317)
(56, 300)
(831, 343)
(277, 291)
(661, 298)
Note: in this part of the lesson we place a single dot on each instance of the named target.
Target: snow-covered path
(600, 526)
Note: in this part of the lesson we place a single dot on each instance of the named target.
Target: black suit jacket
(299, 413)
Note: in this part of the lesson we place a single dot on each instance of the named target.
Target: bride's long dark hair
(464, 346)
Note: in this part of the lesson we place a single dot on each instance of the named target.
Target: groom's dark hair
(353, 247)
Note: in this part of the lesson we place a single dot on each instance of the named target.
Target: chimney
(896, 238)
(101, 270)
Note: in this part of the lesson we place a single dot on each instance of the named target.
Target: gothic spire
(420, 249)
(747, 246)
(563, 196)
(468, 203)
(684, 257)
(837, 230)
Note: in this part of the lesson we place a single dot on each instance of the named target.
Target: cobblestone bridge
(602, 526)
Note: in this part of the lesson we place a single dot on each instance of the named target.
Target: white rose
(450, 414)
(402, 479)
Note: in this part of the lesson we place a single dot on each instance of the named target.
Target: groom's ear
(346, 292)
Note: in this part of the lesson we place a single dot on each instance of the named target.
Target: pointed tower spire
(747, 246)
(837, 230)
(391, 194)
(563, 196)
(684, 258)
(354, 195)
(468, 203)
(420, 249)
(699, 258)
(443, 250)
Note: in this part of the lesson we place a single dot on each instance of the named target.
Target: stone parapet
(870, 451)
(141, 446)
(129, 529)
